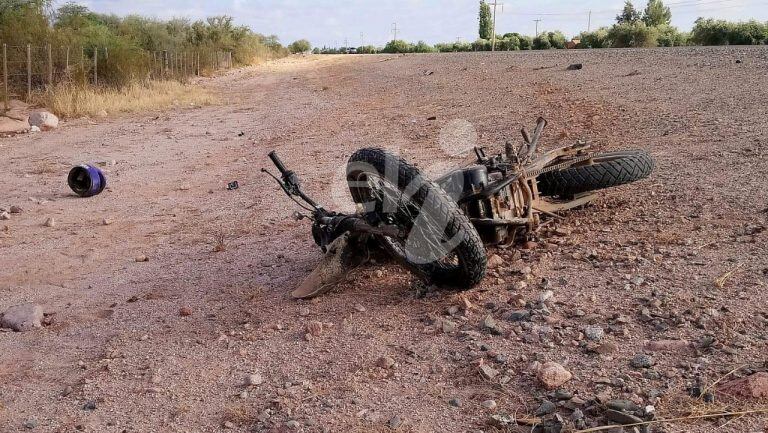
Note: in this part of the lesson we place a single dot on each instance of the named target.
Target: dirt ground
(118, 356)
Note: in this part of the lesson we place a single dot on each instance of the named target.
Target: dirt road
(640, 264)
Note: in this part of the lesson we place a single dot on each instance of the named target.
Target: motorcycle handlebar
(278, 163)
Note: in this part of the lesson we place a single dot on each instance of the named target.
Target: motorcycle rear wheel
(609, 170)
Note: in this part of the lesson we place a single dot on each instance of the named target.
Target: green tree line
(130, 39)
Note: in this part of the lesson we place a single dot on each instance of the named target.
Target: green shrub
(300, 46)
(398, 46)
(749, 33)
(481, 45)
(711, 32)
(557, 39)
(367, 49)
(669, 36)
(595, 39)
(423, 47)
(542, 42)
(633, 35)
(510, 43)
(526, 42)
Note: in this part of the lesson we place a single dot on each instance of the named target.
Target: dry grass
(76, 101)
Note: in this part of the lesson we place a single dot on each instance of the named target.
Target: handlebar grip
(278, 163)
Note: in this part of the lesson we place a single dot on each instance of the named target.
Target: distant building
(573, 43)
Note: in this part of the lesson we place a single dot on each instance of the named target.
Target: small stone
(315, 328)
(66, 391)
(448, 326)
(30, 424)
(5, 216)
(185, 311)
(455, 402)
(16, 209)
(90, 405)
(22, 318)
(622, 405)
(395, 422)
(229, 425)
(34, 128)
(254, 379)
(622, 418)
(489, 404)
(518, 315)
(546, 408)
(385, 362)
(594, 333)
(50, 222)
(606, 348)
(752, 387)
(642, 361)
(304, 312)
(563, 394)
(546, 296)
(359, 308)
(552, 375)
(293, 424)
(490, 324)
(495, 261)
(378, 273)
(106, 221)
(488, 372)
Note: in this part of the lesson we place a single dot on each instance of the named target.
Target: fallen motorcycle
(439, 229)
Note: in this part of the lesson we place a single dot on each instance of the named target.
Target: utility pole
(589, 22)
(362, 40)
(346, 43)
(493, 38)
(537, 26)
(394, 31)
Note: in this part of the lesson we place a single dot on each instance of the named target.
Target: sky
(332, 22)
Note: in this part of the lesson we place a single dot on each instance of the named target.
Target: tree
(398, 46)
(656, 14)
(629, 14)
(300, 46)
(542, 42)
(486, 21)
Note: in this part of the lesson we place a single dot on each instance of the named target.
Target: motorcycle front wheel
(438, 241)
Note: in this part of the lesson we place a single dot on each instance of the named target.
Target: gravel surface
(202, 335)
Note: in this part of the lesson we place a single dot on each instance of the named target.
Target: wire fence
(30, 68)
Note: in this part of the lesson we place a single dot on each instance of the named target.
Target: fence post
(82, 65)
(197, 70)
(95, 66)
(5, 76)
(50, 65)
(67, 63)
(29, 72)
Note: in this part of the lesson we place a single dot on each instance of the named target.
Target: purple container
(86, 180)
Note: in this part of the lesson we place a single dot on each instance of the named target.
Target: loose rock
(495, 261)
(385, 362)
(488, 372)
(594, 333)
(21, 318)
(553, 375)
(754, 386)
(50, 222)
(489, 404)
(254, 379)
(43, 120)
(642, 361)
(5, 216)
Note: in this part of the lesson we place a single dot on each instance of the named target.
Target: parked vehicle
(439, 229)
